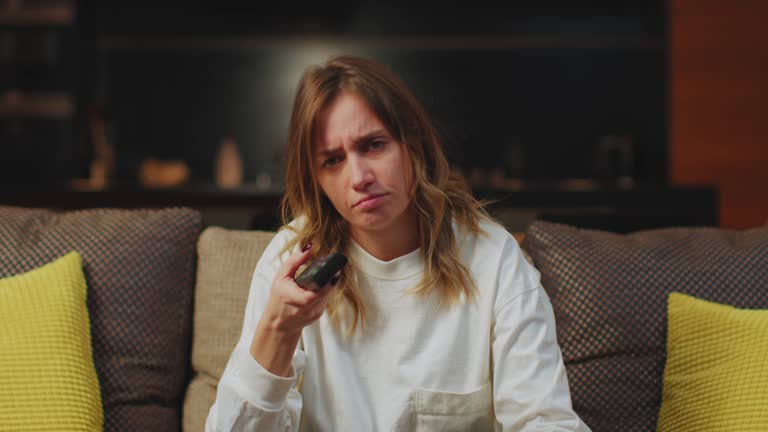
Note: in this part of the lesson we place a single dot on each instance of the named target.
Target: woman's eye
(375, 145)
(330, 162)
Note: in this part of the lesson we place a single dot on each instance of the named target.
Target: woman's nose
(360, 172)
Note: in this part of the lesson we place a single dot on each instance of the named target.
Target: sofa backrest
(609, 293)
(139, 267)
(226, 260)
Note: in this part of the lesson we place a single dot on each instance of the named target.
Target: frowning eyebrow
(359, 141)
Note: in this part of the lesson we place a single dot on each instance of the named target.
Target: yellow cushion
(47, 377)
(716, 373)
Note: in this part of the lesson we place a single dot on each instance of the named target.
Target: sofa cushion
(140, 268)
(609, 293)
(47, 375)
(716, 373)
(226, 261)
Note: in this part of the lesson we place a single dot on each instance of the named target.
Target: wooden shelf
(17, 104)
(610, 208)
(354, 43)
(50, 15)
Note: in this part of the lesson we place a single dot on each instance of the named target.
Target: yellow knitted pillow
(47, 377)
(716, 374)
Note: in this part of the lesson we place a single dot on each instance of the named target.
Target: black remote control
(321, 271)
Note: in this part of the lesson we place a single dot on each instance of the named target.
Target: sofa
(165, 299)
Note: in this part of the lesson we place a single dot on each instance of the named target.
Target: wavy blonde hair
(440, 195)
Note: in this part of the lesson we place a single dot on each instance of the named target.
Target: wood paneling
(719, 111)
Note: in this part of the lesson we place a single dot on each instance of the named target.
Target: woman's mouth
(369, 202)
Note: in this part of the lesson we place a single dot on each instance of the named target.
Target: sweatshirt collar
(402, 267)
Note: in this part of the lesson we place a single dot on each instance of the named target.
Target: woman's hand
(289, 309)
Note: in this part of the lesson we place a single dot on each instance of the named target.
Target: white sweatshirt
(489, 364)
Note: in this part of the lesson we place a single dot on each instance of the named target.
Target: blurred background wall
(719, 103)
(637, 103)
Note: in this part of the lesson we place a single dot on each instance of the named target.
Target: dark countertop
(586, 204)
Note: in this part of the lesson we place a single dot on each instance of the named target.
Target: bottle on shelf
(228, 171)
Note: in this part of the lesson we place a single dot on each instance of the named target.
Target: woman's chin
(373, 222)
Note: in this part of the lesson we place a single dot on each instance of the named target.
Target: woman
(437, 323)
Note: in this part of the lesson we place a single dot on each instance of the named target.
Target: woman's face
(361, 168)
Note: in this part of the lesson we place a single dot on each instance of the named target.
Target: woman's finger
(294, 261)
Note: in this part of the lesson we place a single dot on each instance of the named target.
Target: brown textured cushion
(609, 293)
(140, 267)
(226, 260)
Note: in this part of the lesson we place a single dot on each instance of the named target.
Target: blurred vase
(228, 172)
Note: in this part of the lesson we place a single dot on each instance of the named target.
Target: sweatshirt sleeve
(530, 384)
(249, 397)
